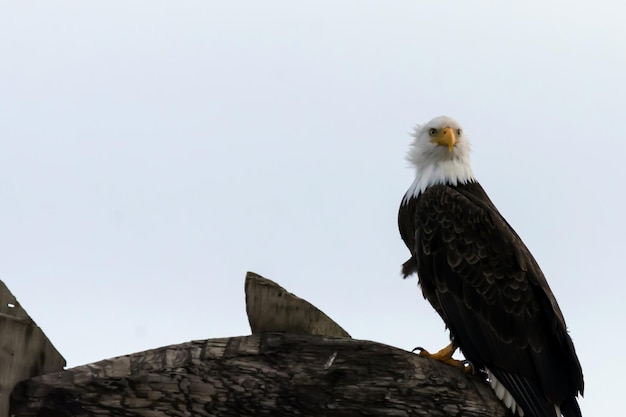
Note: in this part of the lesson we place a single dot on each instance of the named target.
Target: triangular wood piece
(271, 308)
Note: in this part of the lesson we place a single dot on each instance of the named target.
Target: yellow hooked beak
(446, 137)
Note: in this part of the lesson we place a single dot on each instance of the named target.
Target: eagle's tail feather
(530, 399)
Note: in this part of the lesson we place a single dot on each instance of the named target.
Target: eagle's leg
(445, 356)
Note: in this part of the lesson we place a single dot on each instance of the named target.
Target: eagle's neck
(454, 171)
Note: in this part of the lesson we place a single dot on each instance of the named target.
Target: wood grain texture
(25, 351)
(271, 308)
(273, 374)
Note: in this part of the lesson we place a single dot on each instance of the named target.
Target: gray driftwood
(25, 351)
(275, 374)
(290, 366)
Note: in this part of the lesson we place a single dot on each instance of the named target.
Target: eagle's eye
(432, 131)
(458, 132)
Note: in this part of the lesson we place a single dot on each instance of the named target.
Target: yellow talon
(445, 356)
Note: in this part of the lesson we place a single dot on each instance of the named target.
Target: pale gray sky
(153, 152)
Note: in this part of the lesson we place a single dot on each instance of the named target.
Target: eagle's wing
(489, 290)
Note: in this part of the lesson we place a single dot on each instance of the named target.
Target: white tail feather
(505, 396)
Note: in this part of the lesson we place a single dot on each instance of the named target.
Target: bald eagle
(483, 281)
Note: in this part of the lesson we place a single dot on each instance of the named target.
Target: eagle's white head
(441, 155)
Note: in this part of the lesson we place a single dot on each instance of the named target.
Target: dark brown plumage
(487, 287)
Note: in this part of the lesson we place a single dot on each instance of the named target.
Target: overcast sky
(153, 152)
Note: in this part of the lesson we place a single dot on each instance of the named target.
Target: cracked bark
(273, 374)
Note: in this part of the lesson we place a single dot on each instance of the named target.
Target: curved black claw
(468, 366)
(419, 348)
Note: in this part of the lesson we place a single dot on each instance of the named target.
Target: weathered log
(301, 370)
(25, 351)
(274, 374)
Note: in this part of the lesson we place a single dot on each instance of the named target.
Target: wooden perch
(266, 374)
(275, 374)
